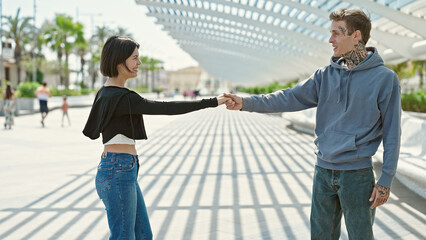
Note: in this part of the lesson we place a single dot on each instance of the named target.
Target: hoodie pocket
(332, 146)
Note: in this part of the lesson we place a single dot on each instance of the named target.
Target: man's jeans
(337, 191)
(117, 186)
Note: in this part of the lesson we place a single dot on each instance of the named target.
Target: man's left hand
(379, 196)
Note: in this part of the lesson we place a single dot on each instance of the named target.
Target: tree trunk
(18, 71)
(61, 74)
(82, 63)
(93, 79)
(153, 79)
(67, 71)
(18, 56)
(146, 78)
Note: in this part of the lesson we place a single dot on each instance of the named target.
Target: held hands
(379, 196)
(221, 99)
(235, 103)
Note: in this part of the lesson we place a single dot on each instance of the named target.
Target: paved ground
(211, 174)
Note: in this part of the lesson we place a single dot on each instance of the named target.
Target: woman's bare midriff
(120, 148)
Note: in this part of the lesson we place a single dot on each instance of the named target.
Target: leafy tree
(37, 52)
(144, 67)
(62, 36)
(18, 29)
(101, 35)
(154, 66)
(81, 50)
(97, 41)
(123, 32)
(419, 66)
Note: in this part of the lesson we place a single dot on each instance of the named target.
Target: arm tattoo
(356, 56)
(343, 30)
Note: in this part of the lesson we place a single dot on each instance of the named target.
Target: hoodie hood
(373, 60)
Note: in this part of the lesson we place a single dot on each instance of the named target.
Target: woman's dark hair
(9, 93)
(116, 50)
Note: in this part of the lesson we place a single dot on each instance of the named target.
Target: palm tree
(101, 35)
(18, 30)
(62, 36)
(123, 32)
(81, 50)
(37, 51)
(154, 66)
(144, 67)
(419, 66)
(97, 41)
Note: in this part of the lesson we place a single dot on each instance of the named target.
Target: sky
(112, 13)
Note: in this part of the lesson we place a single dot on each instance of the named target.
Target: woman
(117, 114)
(9, 100)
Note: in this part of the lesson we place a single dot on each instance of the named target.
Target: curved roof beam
(284, 50)
(233, 37)
(188, 35)
(403, 46)
(305, 7)
(301, 48)
(235, 68)
(298, 64)
(228, 50)
(230, 70)
(295, 36)
(411, 22)
(297, 21)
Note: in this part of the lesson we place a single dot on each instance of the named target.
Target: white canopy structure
(252, 41)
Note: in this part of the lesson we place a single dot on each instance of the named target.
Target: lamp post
(92, 15)
(1, 43)
(35, 45)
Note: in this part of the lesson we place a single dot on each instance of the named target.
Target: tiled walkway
(211, 174)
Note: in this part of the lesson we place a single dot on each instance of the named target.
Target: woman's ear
(120, 68)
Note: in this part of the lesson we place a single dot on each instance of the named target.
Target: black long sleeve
(140, 105)
(118, 110)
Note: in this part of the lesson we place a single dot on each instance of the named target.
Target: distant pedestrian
(9, 102)
(64, 108)
(43, 94)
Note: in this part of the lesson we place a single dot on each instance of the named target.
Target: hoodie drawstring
(347, 91)
(344, 96)
(339, 86)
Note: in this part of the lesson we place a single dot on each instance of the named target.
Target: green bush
(85, 91)
(414, 102)
(141, 89)
(67, 92)
(275, 86)
(27, 89)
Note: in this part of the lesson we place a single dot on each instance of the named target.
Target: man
(43, 94)
(358, 106)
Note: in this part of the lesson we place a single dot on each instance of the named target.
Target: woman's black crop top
(119, 111)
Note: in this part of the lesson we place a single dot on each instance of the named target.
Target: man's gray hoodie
(356, 109)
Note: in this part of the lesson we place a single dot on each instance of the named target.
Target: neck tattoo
(355, 56)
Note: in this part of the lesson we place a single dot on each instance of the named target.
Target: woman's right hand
(221, 99)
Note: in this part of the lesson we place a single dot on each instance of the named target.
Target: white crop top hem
(120, 139)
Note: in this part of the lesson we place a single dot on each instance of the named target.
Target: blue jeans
(117, 186)
(337, 191)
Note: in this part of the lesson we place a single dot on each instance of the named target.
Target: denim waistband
(118, 156)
